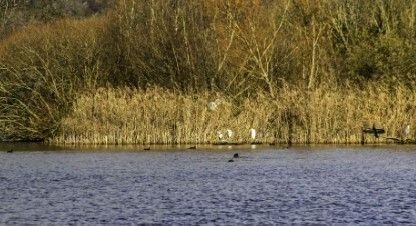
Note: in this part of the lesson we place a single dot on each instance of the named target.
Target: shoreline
(43, 147)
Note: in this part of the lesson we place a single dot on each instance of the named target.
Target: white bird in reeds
(406, 131)
(213, 105)
(252, 134)
(229, 134)
(220, 135)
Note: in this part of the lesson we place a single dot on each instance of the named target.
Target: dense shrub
(42, 69)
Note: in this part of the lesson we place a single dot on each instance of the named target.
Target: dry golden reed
(160, 116)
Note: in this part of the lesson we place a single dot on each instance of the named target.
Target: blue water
(266, 185)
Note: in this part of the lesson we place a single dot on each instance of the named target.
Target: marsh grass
(161, 116)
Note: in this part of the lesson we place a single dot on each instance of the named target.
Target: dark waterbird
(192, 147)
(10, 151)
(146, 149)
(236, 155)
(375, 131)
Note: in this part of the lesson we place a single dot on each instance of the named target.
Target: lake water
(266, 185)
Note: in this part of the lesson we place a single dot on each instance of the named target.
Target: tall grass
(161, 116)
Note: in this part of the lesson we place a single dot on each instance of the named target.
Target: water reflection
(266, 185)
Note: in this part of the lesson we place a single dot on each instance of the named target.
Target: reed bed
(161, 116)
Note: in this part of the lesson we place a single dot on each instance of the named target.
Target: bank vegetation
(300, 71)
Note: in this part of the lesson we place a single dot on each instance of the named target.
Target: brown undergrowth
(299, 71)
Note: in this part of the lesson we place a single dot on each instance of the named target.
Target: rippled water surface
(370, 185)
